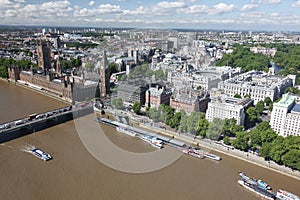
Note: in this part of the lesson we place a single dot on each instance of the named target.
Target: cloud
(162, 8)
(195, 9)
(221, 8)
(296, 4)
(249, 7)
(91, 3)
(20, 1)
(253, 15)
(270, 1)
(101, 9)
(274, 14)
(203, 9)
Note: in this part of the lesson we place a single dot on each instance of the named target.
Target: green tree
(3, 72)
(136, 107)
(230, 127)
(117, 103)
(215, 129)
(159, 74)
(226, 140)
(259, 107)
(113, 68)
(175, 122)
(202, 125)
(292, 159)
(255, 139)
(90, 66)
(268, 101)
(241, 141)
(237, 96)
(252, 116)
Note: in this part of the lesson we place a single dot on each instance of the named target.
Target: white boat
(257, 190)
(191, 152)
(212, 156)
(126, 131)
(285, 195)
(153, 141)
(205, 154)
(41, 154)
(263, 185)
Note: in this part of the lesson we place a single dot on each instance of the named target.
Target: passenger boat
(257, 190)
(263, 185)
(285, 195)
(212, 156)
(247, 179)
(153, 141)
(126, 131)
(41, 154)
(191, 153)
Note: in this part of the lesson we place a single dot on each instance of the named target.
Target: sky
(261, 15)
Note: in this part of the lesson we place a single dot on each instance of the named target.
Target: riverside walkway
(210, 145)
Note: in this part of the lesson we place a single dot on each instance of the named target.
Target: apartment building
(285, 116)
(225, 107)
(259, 85)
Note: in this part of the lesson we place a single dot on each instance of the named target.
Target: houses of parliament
(53, 81)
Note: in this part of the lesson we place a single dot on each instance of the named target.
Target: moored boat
(212, 156)
(126, 131)
(153, 141)
(263, 185)
(191, 153)
(285, 195)
(247, 179)
(257, 190)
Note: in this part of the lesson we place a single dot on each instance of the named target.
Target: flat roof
(286, 101)
(296, 108)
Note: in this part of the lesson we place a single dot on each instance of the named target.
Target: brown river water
(74, 174)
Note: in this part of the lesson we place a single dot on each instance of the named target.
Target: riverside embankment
(210, 145)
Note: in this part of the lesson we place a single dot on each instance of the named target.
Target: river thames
(74, 174)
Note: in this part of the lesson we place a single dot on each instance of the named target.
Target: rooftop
(286, 101)
(296, 109)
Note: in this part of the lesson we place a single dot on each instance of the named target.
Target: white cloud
(274, 14)
(194, 9)
(270, 1)
(249, 7)
(20, 1)
(296, 4)
(162, 8)
(221, 8)
(108, 8)
(167, 5)
(91, 3)
(101, 9)
(253, 15)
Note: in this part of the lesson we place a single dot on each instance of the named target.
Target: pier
(37, 122)
(169, 140)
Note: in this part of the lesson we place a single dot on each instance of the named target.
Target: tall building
(132, 91)
(43, 53)
(285, 116)
(224, 107)
(259, 85)
(104, 76)
(158, 95)
(190, 101)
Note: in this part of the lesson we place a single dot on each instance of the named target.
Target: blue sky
(278, 15)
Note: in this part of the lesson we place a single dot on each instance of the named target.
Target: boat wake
(5, 145)
(27, 148)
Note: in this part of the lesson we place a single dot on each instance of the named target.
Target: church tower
(104, 76)
(43, 53)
